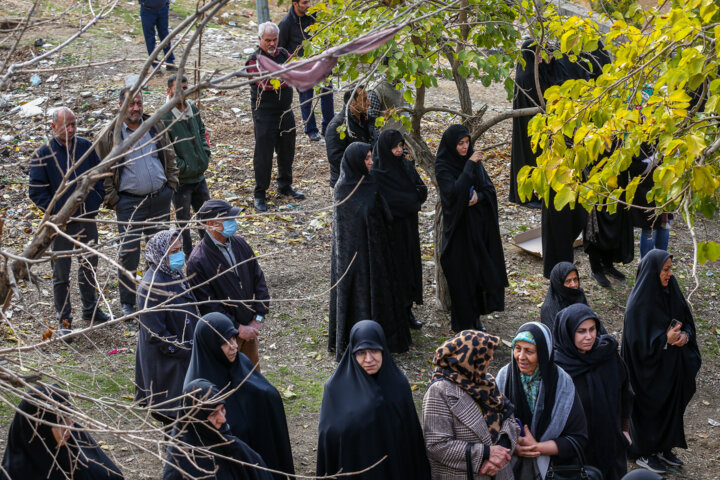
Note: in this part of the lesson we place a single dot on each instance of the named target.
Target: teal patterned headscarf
(530, 383)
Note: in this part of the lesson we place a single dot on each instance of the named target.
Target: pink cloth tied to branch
(308, 73)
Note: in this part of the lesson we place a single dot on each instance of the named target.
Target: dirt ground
(293, 240)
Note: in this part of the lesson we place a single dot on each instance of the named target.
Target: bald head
(63, 125)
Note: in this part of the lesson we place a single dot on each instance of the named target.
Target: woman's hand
(488, 468)
(682, 341)
(475, 157)
(627, 437)
(473, 199)
(527, 446)
(674, 335)
(499, 457)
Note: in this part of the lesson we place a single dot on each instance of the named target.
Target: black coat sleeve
(198, 277)
(39, 190)
(155, 320)
(575, 427)
(335, 146)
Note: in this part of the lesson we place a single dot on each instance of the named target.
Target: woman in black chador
(404, 191)
(591, 358)
(362, 268)
(36, 450)
(165, 338)
(564, 291)
(202, 441)
(255, 410)
(368, 412)
(660, 349)
(472, 255)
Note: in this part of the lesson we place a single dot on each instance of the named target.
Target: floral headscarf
(463, 360)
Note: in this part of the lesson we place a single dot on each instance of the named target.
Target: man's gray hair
(265, 26)
(56, 113)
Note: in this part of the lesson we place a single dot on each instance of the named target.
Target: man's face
(64, 129)
(360, 103)
(171, 89)
(134, 110)
(301, 7)
(268, 41)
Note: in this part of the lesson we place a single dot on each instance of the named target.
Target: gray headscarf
(156, 252)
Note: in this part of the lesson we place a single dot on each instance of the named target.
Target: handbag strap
(468, 461)
(578, 451)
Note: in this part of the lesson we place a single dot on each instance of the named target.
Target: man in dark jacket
(293, 31)
(140, 190)
(47, 189)
(273, 120)
(187, 132)
(356, 129)
(154, 16)
(225, 276)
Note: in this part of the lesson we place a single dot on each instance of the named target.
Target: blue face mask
(176, 261)
(229, 228)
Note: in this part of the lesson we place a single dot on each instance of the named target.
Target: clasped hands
(677, 337)
(499, 457)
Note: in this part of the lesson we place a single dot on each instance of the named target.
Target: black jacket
(49, 165)
(271, 101)
(240, 293)
(293, 31)
(355, 132)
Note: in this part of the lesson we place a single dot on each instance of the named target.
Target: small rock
(85, 94)
(39, 42)
(35, 80)
(248, 51)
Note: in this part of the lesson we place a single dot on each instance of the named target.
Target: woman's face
(370, 360)
(666, 273)
(61, 434)
(397, 150)
(463, 146)
(217, 417)
(585, 335)
(175, 246)
(572, 280)
(368, 160)
(230, 348)
(525, 354)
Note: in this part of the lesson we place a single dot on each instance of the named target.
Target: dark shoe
(97, 316)
(314, 137)
(291, 192)
(260, 205)
(670, 458)
(128, 309)
(415, 324)
(601, 279)
(614, 272)
(170, 67)
(480, 325)
(65, 329)
(651, 463)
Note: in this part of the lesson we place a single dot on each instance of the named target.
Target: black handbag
(468, 461)
(574, 472)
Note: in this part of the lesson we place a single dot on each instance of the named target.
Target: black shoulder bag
(574, 472)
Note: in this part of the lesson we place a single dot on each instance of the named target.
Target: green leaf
(408, 95)
(564, 196)
(708, 251)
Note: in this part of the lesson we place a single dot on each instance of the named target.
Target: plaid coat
(451, 419)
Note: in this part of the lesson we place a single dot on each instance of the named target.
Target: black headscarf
(600, 371)
(558, 295)
(255, 410)
(394, 182)
(194, 432)
(352, 170)
(33, 453)
(548, 372)
(364, 417)
(662, 375)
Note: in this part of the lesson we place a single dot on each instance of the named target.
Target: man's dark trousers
(308, 115)
(189, 195)
(274, 132)
(131, 208)
(152, 20)
(84, 232)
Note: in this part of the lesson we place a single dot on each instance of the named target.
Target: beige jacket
(166, 153)
(451, 419)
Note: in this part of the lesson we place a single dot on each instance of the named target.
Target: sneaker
(601, 279)
(670, 458)
(614, 272)
(314, 137)
(651, 463)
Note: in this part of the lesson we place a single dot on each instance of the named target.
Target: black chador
(662, 375)
(33, 453)
(558, 295)
(366, 417)
(404, 191)
(362, 271)
(198, 447)
(472, 255)
(255, 410)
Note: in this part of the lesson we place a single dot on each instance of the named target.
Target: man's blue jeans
(156, 20)
(306, 109)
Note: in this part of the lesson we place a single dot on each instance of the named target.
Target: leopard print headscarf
(464, 361)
